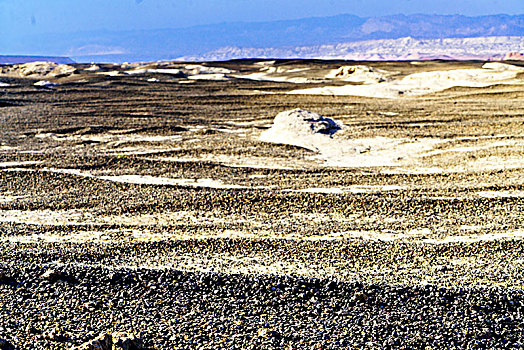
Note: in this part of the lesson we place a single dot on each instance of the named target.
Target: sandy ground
(134, 171)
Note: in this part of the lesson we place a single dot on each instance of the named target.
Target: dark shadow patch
(82, 130)
(4, 103)
(168, 128)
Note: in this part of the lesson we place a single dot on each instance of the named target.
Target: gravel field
(147, 203)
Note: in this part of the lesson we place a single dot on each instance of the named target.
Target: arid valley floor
(147, 200)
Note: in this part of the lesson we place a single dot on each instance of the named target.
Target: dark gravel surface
(176, 310)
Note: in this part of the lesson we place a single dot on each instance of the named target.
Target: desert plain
(165, 200)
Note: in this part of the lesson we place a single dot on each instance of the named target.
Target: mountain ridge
(408, 48)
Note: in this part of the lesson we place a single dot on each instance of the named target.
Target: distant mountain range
(195, 42)
(481, 48)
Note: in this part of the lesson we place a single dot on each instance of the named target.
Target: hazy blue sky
(20, 17)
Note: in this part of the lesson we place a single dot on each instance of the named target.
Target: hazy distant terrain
(25, 59)
(161, 44)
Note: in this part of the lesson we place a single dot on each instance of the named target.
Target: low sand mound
(416, 84)
(200, 69)
(301, 128)
(498, 66)
(39, 70)
(169, 71)
(93, 68)
(281, 74)
(360, 74)
(191, 71)
(301, 122)
(319, 134)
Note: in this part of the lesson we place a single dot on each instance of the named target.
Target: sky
(23, 17)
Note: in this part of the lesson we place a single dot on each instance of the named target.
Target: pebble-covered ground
(146, 203)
